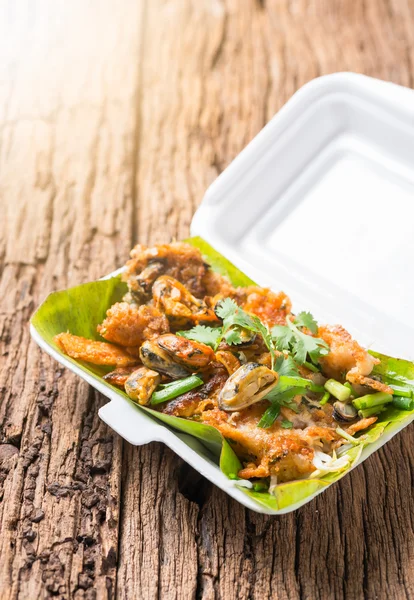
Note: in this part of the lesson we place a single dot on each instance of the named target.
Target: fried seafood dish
(286, 393)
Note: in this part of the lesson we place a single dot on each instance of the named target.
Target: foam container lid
(321, 205)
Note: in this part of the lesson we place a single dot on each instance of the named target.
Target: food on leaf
(97, 353)
(287, 394)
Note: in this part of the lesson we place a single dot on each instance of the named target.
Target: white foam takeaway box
(321, 205)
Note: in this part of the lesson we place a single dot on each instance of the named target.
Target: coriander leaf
(306, 344)
(277, 401)
(233, 336)
(282, 337)
(226, 308)
(205, 335)
(286, 366)
(235, 317)
(284, 394)
(286, 424)
(300, 351)
(305, 319)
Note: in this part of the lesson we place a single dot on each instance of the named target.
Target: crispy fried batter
(120, 375)
(180, 260)
(277, 451)
(215, 284)
(360, 425)
(130, 325)
(346, 357)
(358, 379)
(270, 307)
(97, 353)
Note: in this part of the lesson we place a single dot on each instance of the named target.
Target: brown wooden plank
(99, 148)
(68, 139)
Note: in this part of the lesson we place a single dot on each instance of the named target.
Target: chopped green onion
(175, 388)
(286, 424)
(349, 386)
(232, 476)
(324, 398)
(346, 436)
(269, 416)
(403, 403)
(401, 390)
(338, 390)
(310, 366)
(371, 400)
(260, 486)
(286, 381)
(371, 412)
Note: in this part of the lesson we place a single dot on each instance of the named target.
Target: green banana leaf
(80, 309)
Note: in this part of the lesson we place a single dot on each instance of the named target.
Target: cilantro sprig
(300, 345)
(236, 320)
(236, 323)
(203, 334)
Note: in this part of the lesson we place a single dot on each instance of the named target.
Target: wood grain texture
(114, 118)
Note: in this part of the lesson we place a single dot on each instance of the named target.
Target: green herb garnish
(290, 338)
(203, 334)
(235, 318)
(168, 391)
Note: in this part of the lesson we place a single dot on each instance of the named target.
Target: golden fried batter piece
(97, 353)
(346, 357)
(130, 325)
(178, 259)
(358, 379)
(273, 451)
(196, 401)
(215, 284)
(360, 425)
(119, 376)
(271, 307)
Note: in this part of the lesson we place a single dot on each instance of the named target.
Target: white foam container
(321, 205)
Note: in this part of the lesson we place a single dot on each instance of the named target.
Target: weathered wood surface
(114, 118)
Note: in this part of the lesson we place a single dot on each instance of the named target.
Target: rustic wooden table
(115, 117)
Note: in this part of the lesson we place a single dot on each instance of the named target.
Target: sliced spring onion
(338, 390)
(286, 424)
(401, 390)
(371, 400)
(349, 386)
(403, 403)
(175, 388)
(371, 412)
(324, 398)
(347, 436)
(269, 416)
(286, 381)
(260, 486)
